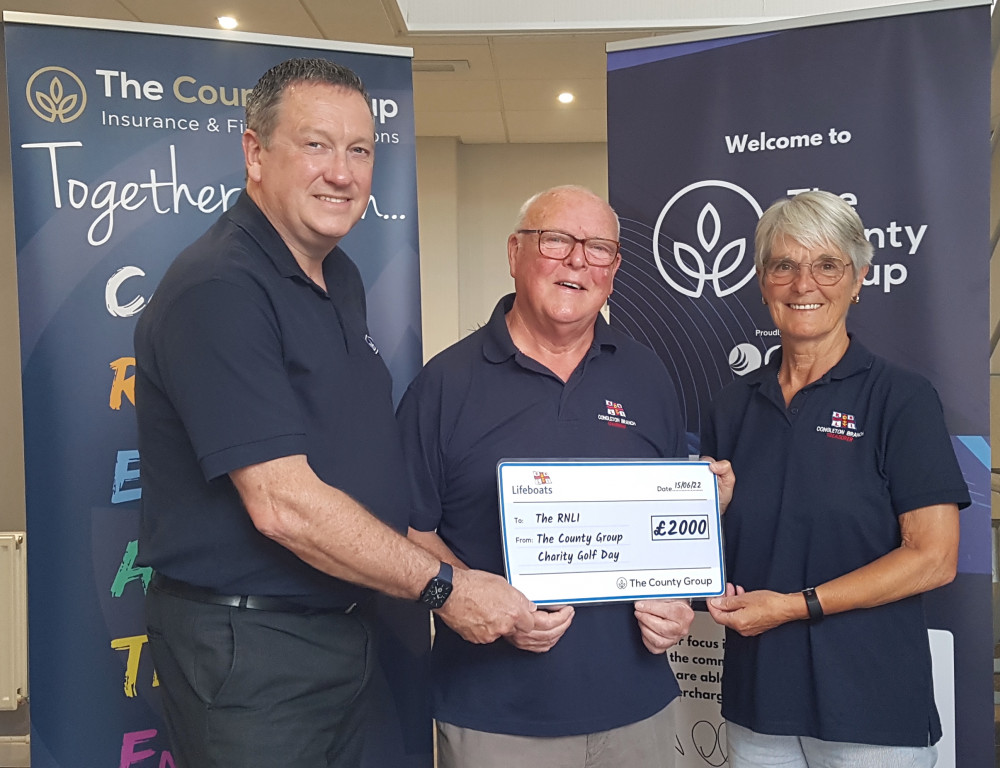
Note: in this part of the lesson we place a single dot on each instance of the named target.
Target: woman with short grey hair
(845, 512)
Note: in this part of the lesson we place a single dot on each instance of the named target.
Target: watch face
(436, 592)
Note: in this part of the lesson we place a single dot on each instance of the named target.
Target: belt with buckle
(187, 591)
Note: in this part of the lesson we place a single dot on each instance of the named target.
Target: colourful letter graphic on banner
(122, 385)
(134, 646)
(125, 474)
(130, 757)
(128, 571)
(111, 301)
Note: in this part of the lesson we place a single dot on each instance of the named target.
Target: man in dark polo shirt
(584, 687)
(273, 478)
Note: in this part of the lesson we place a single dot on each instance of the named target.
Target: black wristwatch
(438, 588)
(813, 604)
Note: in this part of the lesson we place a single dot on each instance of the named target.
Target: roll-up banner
(125, 147)
(889, 109)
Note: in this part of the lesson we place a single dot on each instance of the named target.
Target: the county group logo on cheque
(56, 94)
(703, 235)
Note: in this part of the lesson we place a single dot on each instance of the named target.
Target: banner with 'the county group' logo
(888, 109)
(125, 147)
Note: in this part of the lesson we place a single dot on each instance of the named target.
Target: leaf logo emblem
(691, 260)
(56, 95)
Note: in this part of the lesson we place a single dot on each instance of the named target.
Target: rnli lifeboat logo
(615, 416)
(843, 426)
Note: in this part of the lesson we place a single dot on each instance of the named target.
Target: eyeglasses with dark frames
(825, 271)
(553, 244)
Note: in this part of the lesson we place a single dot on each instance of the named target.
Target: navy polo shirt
(241, 359)
(820, 485)
(478, 402)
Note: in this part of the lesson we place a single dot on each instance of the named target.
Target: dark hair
(265, 98)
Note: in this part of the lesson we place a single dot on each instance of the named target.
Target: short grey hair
(522, 215)
(813, 219)
(265, 98)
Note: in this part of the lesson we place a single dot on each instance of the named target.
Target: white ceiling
(436, 16)
(503, 62)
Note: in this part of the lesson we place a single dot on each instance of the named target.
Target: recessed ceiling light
(565, 97)
(228, 22)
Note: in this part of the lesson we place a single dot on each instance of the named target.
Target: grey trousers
(257, 689)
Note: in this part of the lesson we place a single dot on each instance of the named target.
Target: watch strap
(813, 604)
(446, 572)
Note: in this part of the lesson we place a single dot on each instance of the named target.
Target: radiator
(13, 621)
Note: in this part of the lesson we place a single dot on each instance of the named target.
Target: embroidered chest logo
(615, 415)
(843, 426)
(542, 479)
(844, 420)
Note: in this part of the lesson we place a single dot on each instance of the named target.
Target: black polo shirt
(819, 487)
(481, 401)
(240, 359)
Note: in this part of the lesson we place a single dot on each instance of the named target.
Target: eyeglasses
(553, 244)
(825, 271)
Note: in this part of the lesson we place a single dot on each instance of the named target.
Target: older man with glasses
(586, 686)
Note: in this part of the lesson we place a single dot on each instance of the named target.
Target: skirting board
(15, 752)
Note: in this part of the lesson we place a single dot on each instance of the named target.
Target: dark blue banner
(125, 147)
(890, 113)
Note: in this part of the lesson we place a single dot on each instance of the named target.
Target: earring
(763, 301)
(855, 298)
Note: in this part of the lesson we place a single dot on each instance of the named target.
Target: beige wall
(438, 209)
(11, 435)
(12, 724)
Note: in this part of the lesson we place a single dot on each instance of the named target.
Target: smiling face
(314, 177)
(556, 295)
(804, 311)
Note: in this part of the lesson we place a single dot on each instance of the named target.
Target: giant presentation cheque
(603, 531)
